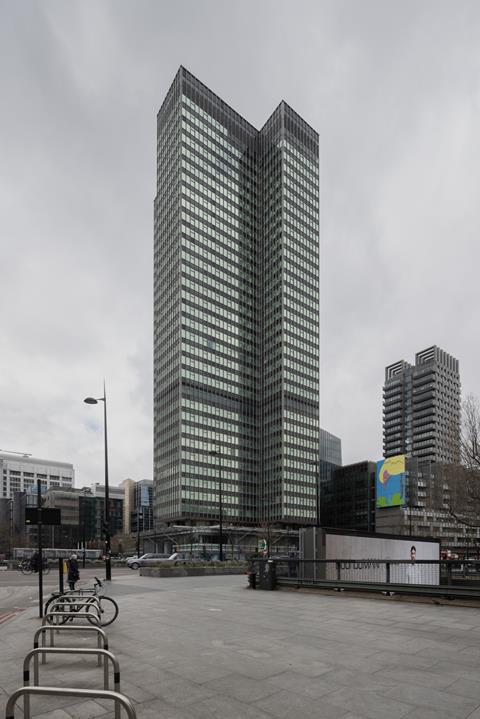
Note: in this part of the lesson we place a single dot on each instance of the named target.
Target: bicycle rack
(77, 593)
(70, 615)
(119, 699)
(62, 603)
(67, 650)
(44, 629)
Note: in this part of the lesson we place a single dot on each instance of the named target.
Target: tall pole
(108, 565)
(220, 505)
(317, 493)
(40, 557)
(138, 519)
(10, 531)
(83, 504)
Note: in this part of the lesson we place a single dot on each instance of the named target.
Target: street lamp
(216, 453)
(108, 563)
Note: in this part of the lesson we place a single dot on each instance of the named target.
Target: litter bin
(267, 575)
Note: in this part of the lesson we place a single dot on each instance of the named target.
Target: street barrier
(444, 578)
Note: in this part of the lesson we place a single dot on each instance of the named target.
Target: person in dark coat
(35, 562)
(73, 573)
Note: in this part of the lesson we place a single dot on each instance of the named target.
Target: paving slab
(208, 648)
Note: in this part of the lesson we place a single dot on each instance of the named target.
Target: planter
(188, 571)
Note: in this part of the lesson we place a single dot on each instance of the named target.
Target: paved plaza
(207, 648)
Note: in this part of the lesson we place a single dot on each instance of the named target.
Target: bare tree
(458, 485)
(470, 434)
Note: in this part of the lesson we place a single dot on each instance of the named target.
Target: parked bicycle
(69, 601)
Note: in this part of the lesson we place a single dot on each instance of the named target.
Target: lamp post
(216, 453)
(83, 505)
(137, 490)
(108, 563)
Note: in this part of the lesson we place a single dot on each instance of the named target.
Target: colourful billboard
(390, 484)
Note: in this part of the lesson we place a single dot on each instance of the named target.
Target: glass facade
(235, 312)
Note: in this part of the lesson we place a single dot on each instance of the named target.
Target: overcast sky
(393, 88)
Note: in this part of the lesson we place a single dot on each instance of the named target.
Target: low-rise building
(19, 473)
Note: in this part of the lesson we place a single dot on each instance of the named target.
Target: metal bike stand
(74, 608)
(43, 631)
(93, 604)
(87, 614)
(67, 650)
(76, 593)
(119, 699)
(72, 616)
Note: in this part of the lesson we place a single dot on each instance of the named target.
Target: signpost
(41, 516)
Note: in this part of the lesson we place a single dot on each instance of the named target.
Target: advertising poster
(390, 482)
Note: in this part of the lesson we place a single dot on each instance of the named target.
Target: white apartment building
(19, 473)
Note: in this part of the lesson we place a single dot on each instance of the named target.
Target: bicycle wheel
(25, 568)
(108, 611)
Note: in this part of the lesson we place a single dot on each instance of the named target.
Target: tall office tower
(236, 395)
(421, 407)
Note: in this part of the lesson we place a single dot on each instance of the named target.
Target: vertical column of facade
(290, 180)
(219, 337)
(270, 304)
(436, 404)
(397, 408)
(167, 306)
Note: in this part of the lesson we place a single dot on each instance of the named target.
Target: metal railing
(42, 631)
(423, 577)
(120, 700)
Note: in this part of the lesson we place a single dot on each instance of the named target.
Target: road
(19, 592)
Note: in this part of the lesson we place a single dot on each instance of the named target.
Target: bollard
(60, 576)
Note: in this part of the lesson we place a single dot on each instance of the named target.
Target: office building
(128, 486)
(137, 506)
(94, 505)
(330, 456)
(427, 509)
(421, 407)
(348, 499)
(236, 312)
(19, 473)
(142, 512)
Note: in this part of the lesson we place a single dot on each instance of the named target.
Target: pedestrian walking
(73, 573)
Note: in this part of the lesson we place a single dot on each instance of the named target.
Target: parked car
(187, 557)
(146, 559)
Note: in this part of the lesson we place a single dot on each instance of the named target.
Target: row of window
(215, 412)
(230, 387)
(206, 131)
(192, 256)
(227, 462)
